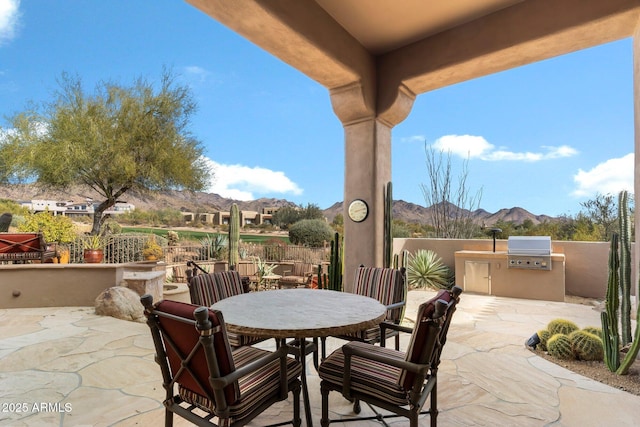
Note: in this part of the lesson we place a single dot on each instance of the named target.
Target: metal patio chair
(212, 380)
(399, 382)
(207, 289)
(387, 285)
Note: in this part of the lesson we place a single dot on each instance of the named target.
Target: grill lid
(529, 245)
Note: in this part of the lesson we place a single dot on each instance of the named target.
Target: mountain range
(207, 202)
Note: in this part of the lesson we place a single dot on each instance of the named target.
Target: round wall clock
(358, 210)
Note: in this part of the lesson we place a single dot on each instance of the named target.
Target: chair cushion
(367, 376)
(229, 283)
(186, 338)
(371, 335)
(383, 284)
(202, 290)
(255, 387)
(237, 340)
(416, 352)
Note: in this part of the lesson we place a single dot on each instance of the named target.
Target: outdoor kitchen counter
(487, 272)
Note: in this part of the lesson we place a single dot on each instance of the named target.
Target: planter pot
(93, 256)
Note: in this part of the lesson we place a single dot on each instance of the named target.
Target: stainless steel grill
(529, 252)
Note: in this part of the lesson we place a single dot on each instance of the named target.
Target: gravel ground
(599, 372)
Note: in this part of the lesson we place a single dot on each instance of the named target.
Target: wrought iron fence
(124, 249)
(278, 253)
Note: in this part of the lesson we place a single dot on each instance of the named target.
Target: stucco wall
(56, 285)
(586, 263)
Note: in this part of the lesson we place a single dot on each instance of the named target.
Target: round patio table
(300, 314)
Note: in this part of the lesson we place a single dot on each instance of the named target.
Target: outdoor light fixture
(495, 231)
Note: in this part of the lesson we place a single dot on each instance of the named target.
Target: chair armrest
(396, 305)
(352, 349)
(248, 368)
(390, 325)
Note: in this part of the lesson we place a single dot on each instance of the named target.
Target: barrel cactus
(559, 345)
(561, 326)
(594, 330)
(544, 336)
(586, 346)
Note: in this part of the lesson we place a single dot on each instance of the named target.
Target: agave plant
(214, 244)
(426, 270)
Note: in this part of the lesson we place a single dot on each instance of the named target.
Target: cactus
(388, 237)
(609, 317)
(594, 330)
(234, 236)
(559, 345)
(586, 346)
(561, 326)
(543, 336)
(625, 268)
(335, 266)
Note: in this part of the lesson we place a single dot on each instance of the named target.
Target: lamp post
(495, 231)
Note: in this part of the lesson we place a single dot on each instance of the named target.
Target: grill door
(476, 277)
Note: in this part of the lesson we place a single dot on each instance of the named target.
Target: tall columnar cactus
(609, 317)
(335, 265)
(234, 235)
(388, 237)
(625, 268)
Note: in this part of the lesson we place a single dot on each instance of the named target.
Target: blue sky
(544, 137)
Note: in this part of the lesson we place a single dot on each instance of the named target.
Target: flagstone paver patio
(69, 367)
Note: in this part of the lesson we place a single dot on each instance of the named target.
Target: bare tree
(450, 204)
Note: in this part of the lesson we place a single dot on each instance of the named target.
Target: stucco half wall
(586, 263)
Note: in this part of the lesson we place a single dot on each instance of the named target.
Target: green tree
(312, 211)
(119, 138)
(310, 232)
(286, 216)
(602, 211)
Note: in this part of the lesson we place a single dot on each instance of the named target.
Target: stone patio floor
(69, 367)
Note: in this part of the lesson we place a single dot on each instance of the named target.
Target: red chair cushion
(185, 337)
(416, 352)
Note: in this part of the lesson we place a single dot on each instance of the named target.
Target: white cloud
(609, 177)
(472, 146)
(241, 182)
(8, 19)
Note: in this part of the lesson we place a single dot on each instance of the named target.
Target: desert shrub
(310, 232)
(56, 228)
(426, 270)
(561, 326)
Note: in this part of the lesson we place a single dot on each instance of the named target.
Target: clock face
(358, 210)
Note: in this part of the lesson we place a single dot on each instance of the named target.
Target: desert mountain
(207, 202)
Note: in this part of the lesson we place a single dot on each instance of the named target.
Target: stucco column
(367, 170)
(636, 165)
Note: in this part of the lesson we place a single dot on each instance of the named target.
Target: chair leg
(296, 407)
(398, 342)
(433, 409)
(168, 418)
(324, 421)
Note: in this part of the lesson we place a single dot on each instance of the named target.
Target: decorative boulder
(120, 302)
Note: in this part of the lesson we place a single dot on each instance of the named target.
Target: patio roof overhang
(423, 44)
(376, 56)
